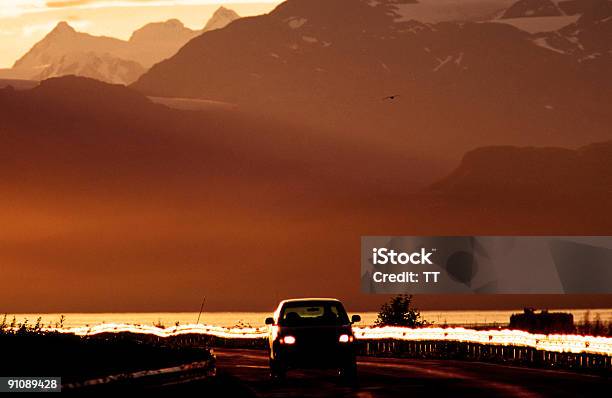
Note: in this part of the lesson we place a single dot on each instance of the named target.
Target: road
(245, 373)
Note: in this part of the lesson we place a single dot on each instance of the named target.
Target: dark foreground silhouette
(245, 373)
(78, 359)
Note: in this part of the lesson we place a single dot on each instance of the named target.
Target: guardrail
(511, 355)
(503, 337)
(507, 346)
(550, 342)
(165, 376)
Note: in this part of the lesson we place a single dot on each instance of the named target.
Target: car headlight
(345, 338)
(287, 340)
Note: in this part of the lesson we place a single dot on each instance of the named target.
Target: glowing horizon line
(552, 342)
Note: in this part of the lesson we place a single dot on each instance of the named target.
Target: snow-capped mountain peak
(66, 51)
(102, 67)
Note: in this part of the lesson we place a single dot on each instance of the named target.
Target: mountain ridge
(532, 171)
(456, 85)
(107, 58)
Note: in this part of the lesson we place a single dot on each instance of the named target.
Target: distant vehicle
(312, 333)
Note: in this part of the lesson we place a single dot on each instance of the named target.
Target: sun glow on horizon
(503, 337)
(16, 8)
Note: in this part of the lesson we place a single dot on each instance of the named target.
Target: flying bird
(391, 97)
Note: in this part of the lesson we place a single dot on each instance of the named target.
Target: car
(312, 333)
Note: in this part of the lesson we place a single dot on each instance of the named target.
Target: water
(256, 319)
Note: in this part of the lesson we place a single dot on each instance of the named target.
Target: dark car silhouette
(312, 333)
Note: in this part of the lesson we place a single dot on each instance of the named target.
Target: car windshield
(313, 313)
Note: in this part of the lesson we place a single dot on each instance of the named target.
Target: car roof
(297, 300)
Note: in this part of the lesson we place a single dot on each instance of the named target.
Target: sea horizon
(256, 318)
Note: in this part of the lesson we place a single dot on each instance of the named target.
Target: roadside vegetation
(595, 327)
(399, 312)
(29, 350)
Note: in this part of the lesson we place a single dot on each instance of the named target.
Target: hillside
(533, 172)
(456, 85)
(97, 180)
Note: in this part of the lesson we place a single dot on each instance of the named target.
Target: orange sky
(24, 22)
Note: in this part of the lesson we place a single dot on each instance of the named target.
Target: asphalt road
(245, 373)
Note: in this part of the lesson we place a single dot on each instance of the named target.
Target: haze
(309, 126)
(25, 22)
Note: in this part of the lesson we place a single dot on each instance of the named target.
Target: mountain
(579, 7)
(18, 84)
(64, 39)
(159, 40)
(433, 11)
(77, 112)
(543, 16)
(104, 191)
(554, 8)
(455, 85)
(101, 67)
(103, 180)
(531, 171)
(221, 18)
(532, 8)
(64, 51)
(585, 42)
(587, 39)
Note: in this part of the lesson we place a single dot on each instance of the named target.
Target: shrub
(398, 312)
